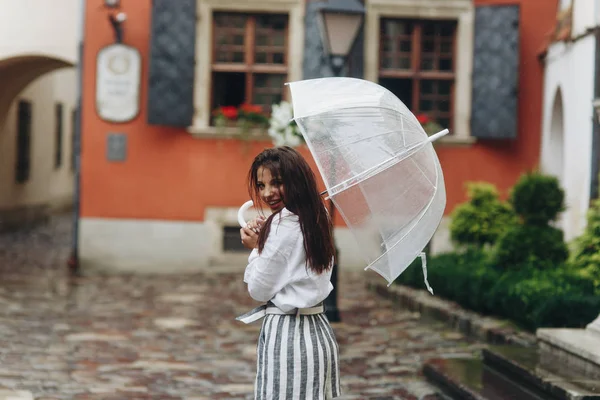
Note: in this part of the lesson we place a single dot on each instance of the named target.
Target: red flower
(251, 108)
(422, 118)
(229, 112)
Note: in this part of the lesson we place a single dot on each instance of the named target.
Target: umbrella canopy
(378, 164)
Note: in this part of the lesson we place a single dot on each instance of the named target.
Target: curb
(469, 323)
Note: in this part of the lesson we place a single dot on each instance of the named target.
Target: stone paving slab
(175, 337)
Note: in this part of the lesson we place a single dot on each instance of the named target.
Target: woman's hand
(249, 233)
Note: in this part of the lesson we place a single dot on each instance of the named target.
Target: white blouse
(280, 273)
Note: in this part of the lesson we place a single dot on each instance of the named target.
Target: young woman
(289, 269)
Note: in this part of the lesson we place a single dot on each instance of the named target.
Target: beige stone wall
(44, 28)
(47, 185)
(37, 65)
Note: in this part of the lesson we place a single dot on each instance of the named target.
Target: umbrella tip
(438, 135)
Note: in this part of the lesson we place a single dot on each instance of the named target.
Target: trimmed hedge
(530, 297)
(483, 218)
(540, 246)
(526, 275)
(537, 199)
(586, 255)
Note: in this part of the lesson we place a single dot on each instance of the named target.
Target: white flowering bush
(282, 129)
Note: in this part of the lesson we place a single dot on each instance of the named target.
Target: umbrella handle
(242, 210)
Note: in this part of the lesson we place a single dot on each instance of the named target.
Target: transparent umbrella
(378, 165)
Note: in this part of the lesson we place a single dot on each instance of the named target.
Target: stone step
(510, 372)
(579, 349)
(470, 379)
(527, 367)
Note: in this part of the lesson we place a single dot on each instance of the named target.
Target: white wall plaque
(118, 76)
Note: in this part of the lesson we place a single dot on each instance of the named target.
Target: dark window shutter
(495, 72)
(315, 64)
(23, 142)
(172, 61)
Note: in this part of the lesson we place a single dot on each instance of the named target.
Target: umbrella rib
(367, 138)
(342, 108)
(423, 173)
(407, 232)
(406, 154)
(367, 171)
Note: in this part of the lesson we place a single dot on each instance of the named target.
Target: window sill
(211, 132)
(456, 141)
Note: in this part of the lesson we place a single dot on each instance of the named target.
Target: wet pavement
(174, 336)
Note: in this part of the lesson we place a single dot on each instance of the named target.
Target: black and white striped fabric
(297, 359)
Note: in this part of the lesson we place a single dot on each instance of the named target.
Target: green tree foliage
(586, 254)
(537, 199)
(481, 219)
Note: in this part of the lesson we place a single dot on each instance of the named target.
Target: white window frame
(463, 12)
(295, 9)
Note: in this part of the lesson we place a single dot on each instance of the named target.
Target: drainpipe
(73, 262)
(595, 124)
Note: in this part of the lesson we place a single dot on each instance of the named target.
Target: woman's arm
(269, 272)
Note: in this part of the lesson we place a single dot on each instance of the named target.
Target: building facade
(569, 145)
(37, 103)
(169, 201)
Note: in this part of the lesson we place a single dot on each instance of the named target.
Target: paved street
(175, 337)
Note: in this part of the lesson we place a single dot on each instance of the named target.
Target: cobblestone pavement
(175, 337)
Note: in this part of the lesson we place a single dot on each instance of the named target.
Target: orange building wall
(502, 162)
(169, 175)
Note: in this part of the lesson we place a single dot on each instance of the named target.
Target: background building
(169, 201)
(570, 144)
(38, 80)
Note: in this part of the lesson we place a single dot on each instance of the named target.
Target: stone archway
(554, 162)
(18, 72)
(553, 146)
(26, 202)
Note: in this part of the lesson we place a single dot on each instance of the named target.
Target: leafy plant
(530, 245)
(483, 218)
(283, 130)
(537, 198)
(586, 254)
(429, 125)
(533, 298)
(245, 117)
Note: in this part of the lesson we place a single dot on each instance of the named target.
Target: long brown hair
(302, 198)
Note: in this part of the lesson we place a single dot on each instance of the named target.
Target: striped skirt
(297, 359)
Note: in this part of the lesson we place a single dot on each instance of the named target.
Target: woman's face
(270, 189)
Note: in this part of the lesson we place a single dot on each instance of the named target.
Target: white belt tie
(260, 311)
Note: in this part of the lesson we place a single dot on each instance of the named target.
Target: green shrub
(586, 254)
(523, 295)
(481, 219)
(532, 298)
(537, 198)
(465, 278)
(573, 310)
(538, 246)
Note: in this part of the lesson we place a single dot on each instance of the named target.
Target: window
(23, 142)
(58, 135)
(231, 239)
(249, 59)
(417, 64)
